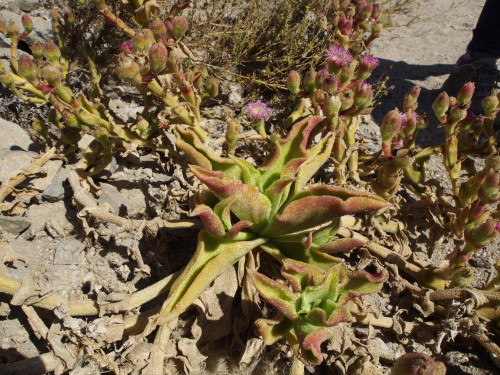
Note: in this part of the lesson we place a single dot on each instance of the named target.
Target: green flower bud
(70, 136)
(64, 93)
(3, 27)
(12, 30)
(159, 29)
(51, 74)
(411, 98)
(363, 95)
(347, 98)
(490, 189)
(441, 106)
(293, 82)
(130, 72)
(183, 115)
(457, 114)
(158, 56)
(143, 40)
(51, 52)
(40, 127)
(232, 132)
(466, 93)
(28, 69)
(27, 23)
(479, 235)
(211, 88)
(332, 106)
(37, 50)
(490, 105)
(178, 27)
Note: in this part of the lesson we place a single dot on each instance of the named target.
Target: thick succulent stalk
(350, 141)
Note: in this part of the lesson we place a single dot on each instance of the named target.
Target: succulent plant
(313, 301)
(243, 207)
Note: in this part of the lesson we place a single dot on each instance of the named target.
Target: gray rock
(20, 5)
(112, 196)
(13, 161)
(55, 191)
(45, 212)
(13, 136)
(51, 168)
(69, 252)
(14, 224)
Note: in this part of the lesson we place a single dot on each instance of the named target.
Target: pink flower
(369, 62)
(258, 111)
(127, 48)
(338, 56)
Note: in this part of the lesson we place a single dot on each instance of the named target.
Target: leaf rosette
(311, 304)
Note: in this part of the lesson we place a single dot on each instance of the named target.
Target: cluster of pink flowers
(258, 111)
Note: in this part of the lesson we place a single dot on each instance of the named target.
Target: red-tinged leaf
(199, 154)
(292, 147)
(278, 192)
(211, 221)
(277, 294)
(290, 169)
(359, 283)
(327, 289)
(319, 205)
(274, 329)
(316, 157)
(237, 228)
(311, 346)
(318, 317)
(250, 204)
(249, 174)
(299, 274)
(341, 245)
(223, 210)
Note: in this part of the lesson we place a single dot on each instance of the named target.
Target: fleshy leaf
(300, 274)
(341, 245)
(199, 154)
(211, 221)
(360, 283)
(237, 228)
(250, 205)
(277, 294)
(319, 205)
(274, 329)
(292, 147)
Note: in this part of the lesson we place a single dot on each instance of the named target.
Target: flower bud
(159, 29)
(100, 4)
(391, 126)
(51, 52)
(12, 30)
(366, 66)
(40, 127)
(376, 11)
(293, 82)
(417, 364)
(490, 189)
(479, 235)
(319, 97)
(5, 76)
(347, 98)
(366, 11)
(465, 94)
(69, 18)
(309, 81)
(143, 40)
(158, 56)
(411, 98)
(363, 95)
(345, 25)
(130, 72)
(70, 136)
(37, 50)
(64, 93)
(490, 105)
(127, 48)
(51, 74)
(178, 27)
(457, 114)
(332, 106)
(27, 23)
(3, 27)
(27, 69)
(441, 106)
(211, 88)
